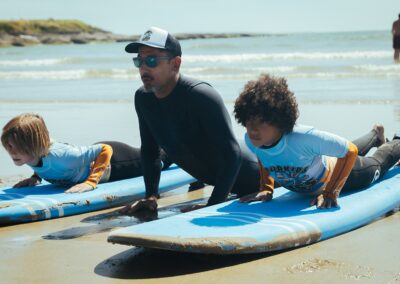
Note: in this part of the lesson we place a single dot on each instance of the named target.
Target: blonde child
(80, 169)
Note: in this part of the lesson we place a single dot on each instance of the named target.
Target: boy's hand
(79, 188)
(147, 203)
(32, 181)
(322, 201)
(257, 196)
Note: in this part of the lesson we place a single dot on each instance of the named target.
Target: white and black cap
(157, 38)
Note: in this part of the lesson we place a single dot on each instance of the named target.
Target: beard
(147, 81)
(149, 88)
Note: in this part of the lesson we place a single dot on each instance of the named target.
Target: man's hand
(193, 207)
(257, 196)
(32, 181)
(79, 188)
(147, 203)
(322, 201)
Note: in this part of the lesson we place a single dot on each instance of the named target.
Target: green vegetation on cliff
(32, 32)
(50, 26)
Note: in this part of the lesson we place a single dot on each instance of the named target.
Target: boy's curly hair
(269, 100)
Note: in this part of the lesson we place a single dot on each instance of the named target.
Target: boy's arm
(32, 181)
(100, 164)
(266, 181)
(341, 172)
(266, 187)
(37, 177)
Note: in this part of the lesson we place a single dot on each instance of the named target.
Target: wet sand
(37, 253)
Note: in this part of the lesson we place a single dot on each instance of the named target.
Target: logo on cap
(147, 35)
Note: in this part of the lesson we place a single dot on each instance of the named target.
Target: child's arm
(266, 187)
(340, 174)
(100, 165)
(96, 172)
(32, 181)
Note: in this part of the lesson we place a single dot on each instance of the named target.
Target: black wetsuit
(193, 127)
(126, 161)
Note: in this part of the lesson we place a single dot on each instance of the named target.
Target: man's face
(156, 78)
(262, 133)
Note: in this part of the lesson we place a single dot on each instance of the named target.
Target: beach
(369, 254)
(344, 84)
(30, 255)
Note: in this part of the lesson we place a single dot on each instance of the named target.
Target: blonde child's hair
(28, 133)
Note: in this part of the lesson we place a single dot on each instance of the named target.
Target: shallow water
(344, 82)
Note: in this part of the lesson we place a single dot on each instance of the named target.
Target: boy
(302, 158)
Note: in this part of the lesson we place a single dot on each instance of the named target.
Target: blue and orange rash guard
(66, 165)
(307, 161)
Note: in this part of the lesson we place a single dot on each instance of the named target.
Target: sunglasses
(151, 61)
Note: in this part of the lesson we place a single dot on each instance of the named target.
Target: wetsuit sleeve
(341, 172)
(166, 162)
(100, 164)
(266, 181)
(214, 119)
(150, 153)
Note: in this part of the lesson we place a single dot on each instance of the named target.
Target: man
(396, 39)
(188, 120)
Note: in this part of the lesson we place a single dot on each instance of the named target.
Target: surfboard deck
(46, 201)
(287, 221)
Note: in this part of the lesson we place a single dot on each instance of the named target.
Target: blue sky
(258, 16)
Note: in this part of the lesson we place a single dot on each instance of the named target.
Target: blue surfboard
(18, 205)
(287, 221)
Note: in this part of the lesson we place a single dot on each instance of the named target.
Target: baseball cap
(157, 38)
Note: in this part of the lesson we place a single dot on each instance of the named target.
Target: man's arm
(216, 122)
(150, 153)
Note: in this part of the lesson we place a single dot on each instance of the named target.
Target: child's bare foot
(380, 131)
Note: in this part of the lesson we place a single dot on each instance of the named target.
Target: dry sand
(34, 253)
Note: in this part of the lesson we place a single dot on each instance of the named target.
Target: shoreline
(52, 31)
(19, 33)
(7, 40)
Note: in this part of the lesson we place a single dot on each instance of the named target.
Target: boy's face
(262, 133)
(19, 158)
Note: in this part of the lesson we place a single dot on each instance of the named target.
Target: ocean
(344, 83)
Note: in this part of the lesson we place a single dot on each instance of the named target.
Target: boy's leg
(369, 169)
(374, 138)
(125, 161)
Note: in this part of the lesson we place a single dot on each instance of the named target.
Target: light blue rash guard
(303, 160)
(66, 165)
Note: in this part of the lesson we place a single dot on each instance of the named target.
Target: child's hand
(80, 187)
(32, 181)
(257, 196)
(322, 201)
